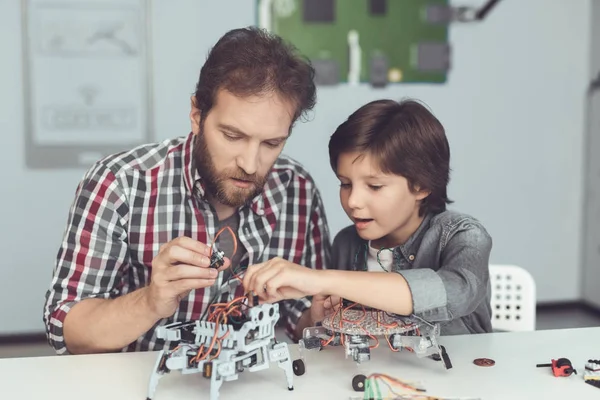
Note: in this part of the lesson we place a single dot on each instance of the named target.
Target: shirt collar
(411, 246)
(193, 180)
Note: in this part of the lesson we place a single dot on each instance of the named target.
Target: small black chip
(319, 10)
(378, 7)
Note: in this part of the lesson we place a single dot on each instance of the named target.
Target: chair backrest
(513, 298)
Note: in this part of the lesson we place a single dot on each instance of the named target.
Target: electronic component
(319, 11)
(484, 362)
(412, 36)
(327, 72)
(366, 43)
(378, 71)
(217, 259)
(378, 7)
(236, 338)
(561, 367)
(591, 372)
(432, 56)
(355, 327)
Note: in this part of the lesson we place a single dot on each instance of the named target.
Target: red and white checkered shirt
(129, 204)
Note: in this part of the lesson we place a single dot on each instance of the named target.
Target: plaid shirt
(129, 204)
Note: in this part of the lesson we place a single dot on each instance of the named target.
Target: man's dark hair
(251, 61)
(406, 139)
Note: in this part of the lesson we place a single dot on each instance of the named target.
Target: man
(137, 247)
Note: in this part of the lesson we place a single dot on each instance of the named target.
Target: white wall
(513, 109)
(591, 231)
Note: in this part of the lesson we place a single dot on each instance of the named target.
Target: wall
(591, 231)
(513, 110)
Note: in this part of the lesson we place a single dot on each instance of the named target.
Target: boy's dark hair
(251, 61)
(406, 139)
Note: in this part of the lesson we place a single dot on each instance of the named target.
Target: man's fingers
(185, 285)
(184, 271)
(180, 255)
(189, 244)
(226, 264)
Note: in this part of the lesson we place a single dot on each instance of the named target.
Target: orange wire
(235, 246)
(232, 236)
(390, 344)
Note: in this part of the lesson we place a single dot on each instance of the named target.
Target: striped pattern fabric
(129, 204)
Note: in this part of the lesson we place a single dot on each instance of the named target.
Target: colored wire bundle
(221, 313)
(373, 390)
(235, 246)
(339, 322)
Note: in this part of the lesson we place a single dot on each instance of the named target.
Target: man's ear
(195, 115)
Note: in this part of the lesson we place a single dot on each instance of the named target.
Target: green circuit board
(374, 41)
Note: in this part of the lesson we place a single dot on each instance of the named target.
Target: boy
(392, 160)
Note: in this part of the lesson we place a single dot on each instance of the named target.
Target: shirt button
(411, 257)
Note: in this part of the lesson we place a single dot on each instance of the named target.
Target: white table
(328, 374)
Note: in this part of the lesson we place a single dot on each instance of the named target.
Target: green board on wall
(374, 41)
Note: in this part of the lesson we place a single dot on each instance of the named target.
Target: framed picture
(87, 80)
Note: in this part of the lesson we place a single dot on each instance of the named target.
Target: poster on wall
(87, 80)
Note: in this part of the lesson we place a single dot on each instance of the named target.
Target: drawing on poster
(87, 80)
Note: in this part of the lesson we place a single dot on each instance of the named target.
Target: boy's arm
(454, 290)
(380, 290)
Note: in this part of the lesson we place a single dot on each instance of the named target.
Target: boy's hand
(322, 306)
(279, 279)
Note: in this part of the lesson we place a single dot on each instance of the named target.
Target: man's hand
(279, 279)
(322, 306)
(180, 266)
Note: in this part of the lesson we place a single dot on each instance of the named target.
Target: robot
(235, 337)
(355, 329)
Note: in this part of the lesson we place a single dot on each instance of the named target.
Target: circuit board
(357, 41)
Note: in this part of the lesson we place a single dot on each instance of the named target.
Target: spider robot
(354, 327)
(234, 338)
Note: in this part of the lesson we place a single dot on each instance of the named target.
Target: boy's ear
(421, 193)
(195, 115)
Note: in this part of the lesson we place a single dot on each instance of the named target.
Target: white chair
(513, 298)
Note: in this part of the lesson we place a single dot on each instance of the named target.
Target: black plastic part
(253, 360)
(593, 382)
(163, 364)
(298, 367)
(313, 342)
(561, 362)
(358, 383)
(446, 358)
(187, 334)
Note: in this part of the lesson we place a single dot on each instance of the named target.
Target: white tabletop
(328, 374)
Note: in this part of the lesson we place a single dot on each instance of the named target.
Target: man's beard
(215, 183)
